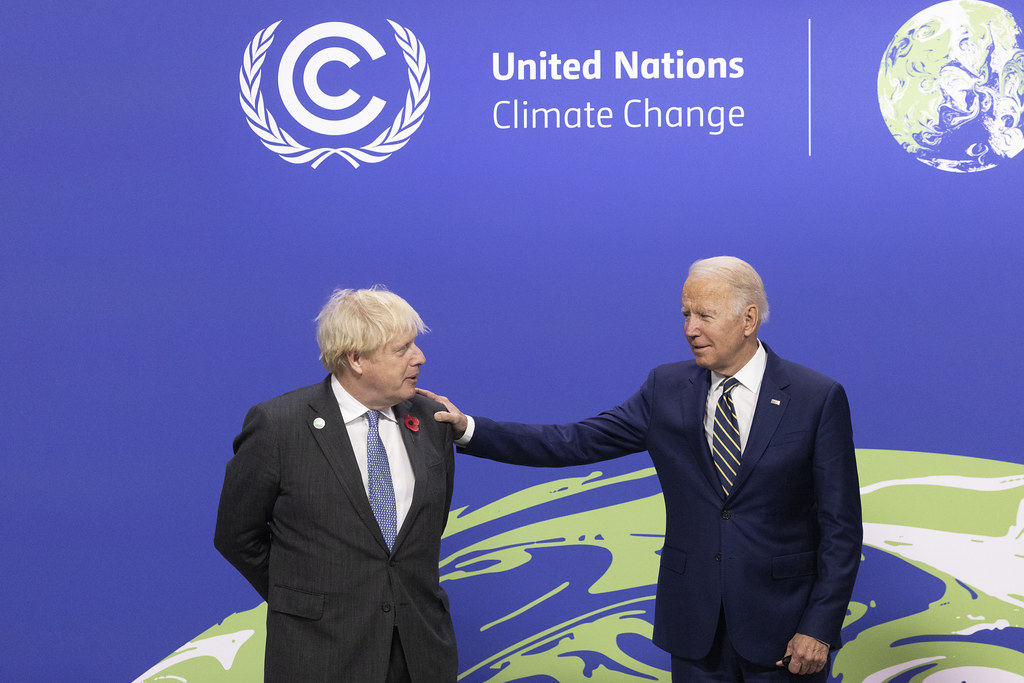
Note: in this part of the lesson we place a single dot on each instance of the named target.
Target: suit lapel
(410, 438)
(332, 437)
(772, 402)
(693, 427)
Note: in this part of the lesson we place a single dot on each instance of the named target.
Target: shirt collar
(751, 374)
(351, 409)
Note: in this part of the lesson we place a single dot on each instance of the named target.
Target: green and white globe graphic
(555, 583)
(951, 86)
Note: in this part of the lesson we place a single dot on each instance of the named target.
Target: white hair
(746, 284)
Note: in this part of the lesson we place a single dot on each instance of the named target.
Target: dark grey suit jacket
(295, 520)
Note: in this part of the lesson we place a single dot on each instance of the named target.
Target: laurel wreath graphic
(284, 145)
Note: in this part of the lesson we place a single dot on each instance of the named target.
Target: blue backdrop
(162, 266)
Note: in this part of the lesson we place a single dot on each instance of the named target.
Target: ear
(751, 320)
(354, 360)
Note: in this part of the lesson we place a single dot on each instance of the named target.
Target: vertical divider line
(808, 86)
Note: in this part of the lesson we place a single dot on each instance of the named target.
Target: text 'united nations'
(627, 65)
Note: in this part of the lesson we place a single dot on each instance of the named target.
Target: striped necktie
(725, 446)
(382, 491)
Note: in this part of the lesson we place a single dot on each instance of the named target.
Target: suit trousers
(398, 669)
(724, 665)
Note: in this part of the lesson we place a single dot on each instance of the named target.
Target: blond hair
(362, 321)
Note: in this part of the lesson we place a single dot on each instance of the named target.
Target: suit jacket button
(718, 557)
(726, 514)
(386, 607)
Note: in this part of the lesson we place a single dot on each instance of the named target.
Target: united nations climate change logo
(951, 86)
(312, 53)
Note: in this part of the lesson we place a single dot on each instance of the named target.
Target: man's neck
(351, 384)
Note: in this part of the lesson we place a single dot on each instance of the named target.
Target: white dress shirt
(402, 478)
(744, 396)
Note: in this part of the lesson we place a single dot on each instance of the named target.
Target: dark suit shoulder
(295, 400)
(300, 395)
(783, 371)
(422, 403)
(678, 368)
(800, 374)
(683, 372)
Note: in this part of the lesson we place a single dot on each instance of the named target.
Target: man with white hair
(756, 462)
(334, 504)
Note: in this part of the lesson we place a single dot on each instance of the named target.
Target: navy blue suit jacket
(780, 554)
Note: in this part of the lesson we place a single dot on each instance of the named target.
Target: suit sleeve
(840, 525)
(612, 434)
(251, 484)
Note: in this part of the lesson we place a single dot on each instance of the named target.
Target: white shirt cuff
(470, 428)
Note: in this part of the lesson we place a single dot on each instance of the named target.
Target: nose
(417, 357)
(690, 327)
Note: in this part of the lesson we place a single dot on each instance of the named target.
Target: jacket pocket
(800, 564)
(789, 437)
(296, 602)
(673, 559)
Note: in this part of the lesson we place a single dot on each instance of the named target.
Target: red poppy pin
(413, 423)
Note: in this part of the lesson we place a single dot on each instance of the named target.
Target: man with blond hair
(756, 462)
(334, 504)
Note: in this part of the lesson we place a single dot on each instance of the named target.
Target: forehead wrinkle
(701, 309)
(707, 294)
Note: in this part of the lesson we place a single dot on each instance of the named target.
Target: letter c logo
(286, 79)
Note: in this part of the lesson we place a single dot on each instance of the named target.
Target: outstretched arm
(612, 434)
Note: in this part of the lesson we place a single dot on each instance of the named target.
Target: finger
(814, 664)
(443, 400)
(806, 666)
(457, 420)
(810, 662)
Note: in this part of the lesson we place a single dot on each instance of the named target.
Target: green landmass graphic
(953, 520)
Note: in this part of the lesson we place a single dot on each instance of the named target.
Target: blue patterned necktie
(382, 492)
(725, 446)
